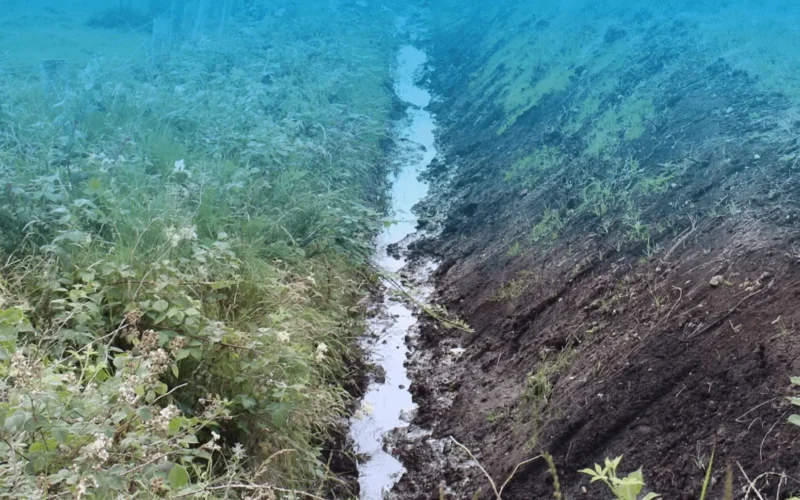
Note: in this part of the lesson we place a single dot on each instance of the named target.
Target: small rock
(772, 195)
(756, 156)
(523, 193)
(717, 280)
(408, 415)
(729, 110)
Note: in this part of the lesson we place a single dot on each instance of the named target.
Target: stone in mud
(408, 415)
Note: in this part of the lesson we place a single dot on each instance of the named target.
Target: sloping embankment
(622, 230)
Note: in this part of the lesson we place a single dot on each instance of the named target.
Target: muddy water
(387, 403)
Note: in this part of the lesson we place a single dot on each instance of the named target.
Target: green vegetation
(795, 419)
(625, 121)
(522, 97)
(529, 171)
(623, 488)
(548, 229)
(539, 388)
(494, 417)
(611, 196)
(515, 288)
(514, 250)
(182, 256)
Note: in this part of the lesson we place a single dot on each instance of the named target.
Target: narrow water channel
(386, 401)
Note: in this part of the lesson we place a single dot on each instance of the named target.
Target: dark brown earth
(665, 366)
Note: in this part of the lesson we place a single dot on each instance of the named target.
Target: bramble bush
(182, 260)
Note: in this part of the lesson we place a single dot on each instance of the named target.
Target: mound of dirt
(627, 251)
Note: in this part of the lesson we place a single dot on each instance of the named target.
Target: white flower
(175, 236)
(282, 336)
(164, 417)
(98, 448)
(212, 445)
(238, 451)
(322, 349)
(127, 390)
(71, 383)
(169, 412)
(179, 166)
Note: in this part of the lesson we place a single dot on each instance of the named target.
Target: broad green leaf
(629, 487)
(60, 435)
(161, 305)
(280, 414)
(192, 312)
(178, 477)
(119, 416)
(795, 419)
(145, 413)
(175, 426)
(651, 496)
(247, 402)
(42, 447)
(795, 380)
(16, 420)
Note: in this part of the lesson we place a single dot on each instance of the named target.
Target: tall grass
(182, 254)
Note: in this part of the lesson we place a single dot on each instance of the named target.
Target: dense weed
(183, 247)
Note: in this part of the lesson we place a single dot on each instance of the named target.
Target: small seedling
(625, 488)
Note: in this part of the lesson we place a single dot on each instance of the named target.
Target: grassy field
(183, 243)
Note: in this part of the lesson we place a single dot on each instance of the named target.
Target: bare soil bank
(636, 300)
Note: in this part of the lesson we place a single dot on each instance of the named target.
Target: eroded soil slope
(617, 216)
